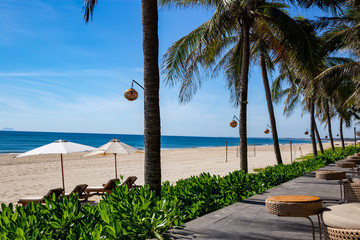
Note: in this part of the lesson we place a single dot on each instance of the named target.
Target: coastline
(35, 175)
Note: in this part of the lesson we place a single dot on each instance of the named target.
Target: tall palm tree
(152, 166)
(301, 81)
(224, 43)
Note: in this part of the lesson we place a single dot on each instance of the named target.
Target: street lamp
(234, 123)
(131, 94)
(266, 131)
(306, 131)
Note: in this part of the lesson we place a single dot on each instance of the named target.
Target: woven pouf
(343, 164)
(342, 221)
(353, 160)
(352, 192)
(293, 206)
(330, 175)
(353, 157)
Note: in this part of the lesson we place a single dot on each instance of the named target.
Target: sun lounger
(80, 189)
(130, 182)
(56, 191)
(106, 188)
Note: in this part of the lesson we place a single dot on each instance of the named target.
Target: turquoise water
(18, 141)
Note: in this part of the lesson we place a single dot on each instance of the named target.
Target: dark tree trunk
(329, 125)
(243, 95)
(312, 128)
(318, 138)
(152, 166)
(270, 109)
(341, 133)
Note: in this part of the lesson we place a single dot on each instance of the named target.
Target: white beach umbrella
(58, 147)
(114, 147)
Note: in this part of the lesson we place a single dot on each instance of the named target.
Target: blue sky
(59, 74)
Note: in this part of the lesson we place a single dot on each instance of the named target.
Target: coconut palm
(342, 34)
(224, 43)
(152, 166)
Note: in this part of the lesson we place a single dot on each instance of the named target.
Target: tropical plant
(139, 213)
(152, 134)
(224, 43)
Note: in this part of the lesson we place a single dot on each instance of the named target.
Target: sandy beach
(35, 175)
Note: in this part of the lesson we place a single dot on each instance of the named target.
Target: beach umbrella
(114, 147)
(58, 147)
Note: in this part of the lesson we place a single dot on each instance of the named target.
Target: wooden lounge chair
(39, 199)
(130, 182)
(106, 188)
(80, 189)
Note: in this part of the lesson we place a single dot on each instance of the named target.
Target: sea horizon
(21, 141)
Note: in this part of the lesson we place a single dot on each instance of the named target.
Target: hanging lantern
(131, 94)
(266, 131)
(233, 124)
(337, 135)
(326, 137)
(306, 132)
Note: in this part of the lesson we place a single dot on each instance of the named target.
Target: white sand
(35, 175)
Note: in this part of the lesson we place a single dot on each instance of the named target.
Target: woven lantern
(306, 132)
(131, 94)
(233, 124)
(326, 137)
(337, 135)
(266, 131)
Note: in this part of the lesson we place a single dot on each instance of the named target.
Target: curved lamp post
(234, 123)
(131, 94)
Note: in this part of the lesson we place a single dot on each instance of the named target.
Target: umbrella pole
(62, 171)
(115, 166)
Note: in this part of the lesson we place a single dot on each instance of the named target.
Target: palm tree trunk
(341, 133)
(243, 95)
(318, 138)
(312, 128)
(329, 125)
(270, 109)
(152, 166)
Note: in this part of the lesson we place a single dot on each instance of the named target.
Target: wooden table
(295, 206)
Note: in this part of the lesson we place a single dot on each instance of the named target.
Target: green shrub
(139, 214)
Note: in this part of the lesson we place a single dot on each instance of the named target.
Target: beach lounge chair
(130, 182)
(56, 191)
(106, 188)
(80, 189)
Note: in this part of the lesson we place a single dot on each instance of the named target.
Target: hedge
(139, 214)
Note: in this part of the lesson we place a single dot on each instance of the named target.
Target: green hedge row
(138, 214)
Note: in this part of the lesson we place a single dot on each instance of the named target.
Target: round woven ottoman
(344, 164)
(353, 160)
(342, 221)
(352, 190)
(330, 175)
(295, 206)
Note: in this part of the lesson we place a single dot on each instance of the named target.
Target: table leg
(320, 229)
(341, 200)
(312, 226)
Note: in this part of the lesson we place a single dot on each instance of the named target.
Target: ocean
(21, 141)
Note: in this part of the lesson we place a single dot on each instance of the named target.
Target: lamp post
(131, 94)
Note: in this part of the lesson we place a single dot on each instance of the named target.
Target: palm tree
(224, 43)
(152, 166)
(301, 81)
